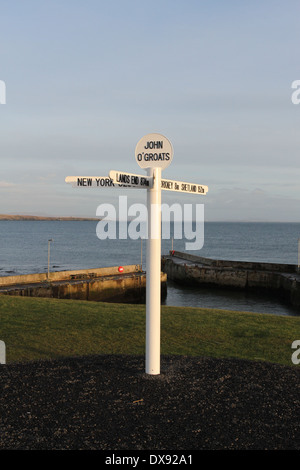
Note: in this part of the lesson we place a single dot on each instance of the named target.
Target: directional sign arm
(182, 187)
(90, 181)
(131, 179)
(93, 182)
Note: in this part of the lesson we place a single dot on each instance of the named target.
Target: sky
(85, 80)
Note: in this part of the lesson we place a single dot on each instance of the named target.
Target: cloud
(6, 184)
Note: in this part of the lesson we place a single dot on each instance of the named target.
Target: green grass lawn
(38, 328)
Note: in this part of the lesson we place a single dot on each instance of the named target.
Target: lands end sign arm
(137, 181)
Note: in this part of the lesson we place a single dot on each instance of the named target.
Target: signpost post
(153, 282)
(153, 153)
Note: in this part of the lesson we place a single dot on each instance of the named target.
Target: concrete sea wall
(281, 280)
(67, 275)
(101, 284)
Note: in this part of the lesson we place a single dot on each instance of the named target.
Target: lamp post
(49, 241)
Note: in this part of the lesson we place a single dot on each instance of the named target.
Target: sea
(75, 245)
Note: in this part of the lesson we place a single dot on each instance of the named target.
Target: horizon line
(78, 218)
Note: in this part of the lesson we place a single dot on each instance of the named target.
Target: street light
(49, 241)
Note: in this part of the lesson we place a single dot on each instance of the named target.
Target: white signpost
(153, 153)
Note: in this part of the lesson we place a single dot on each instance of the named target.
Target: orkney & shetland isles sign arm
(153, 153)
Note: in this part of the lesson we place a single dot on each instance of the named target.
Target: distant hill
(35, 217)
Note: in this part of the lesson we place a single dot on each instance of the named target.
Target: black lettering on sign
(166, 184)
(153, 157)
(104, 182)
(135, 180)
(144, 182)
(84, 181)
(123, 178)
(154, 145)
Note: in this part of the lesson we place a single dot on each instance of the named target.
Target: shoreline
(67, 218)
(36, 217)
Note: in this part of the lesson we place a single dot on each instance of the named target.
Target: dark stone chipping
(109, 403)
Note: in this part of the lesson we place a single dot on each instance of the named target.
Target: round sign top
(154, 151)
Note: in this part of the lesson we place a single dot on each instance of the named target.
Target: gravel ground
(109, 403)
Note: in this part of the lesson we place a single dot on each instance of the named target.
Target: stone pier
(101, 284)
(281, 280)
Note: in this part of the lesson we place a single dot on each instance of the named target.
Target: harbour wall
(281, 280)
(66, 275)
(101, 284)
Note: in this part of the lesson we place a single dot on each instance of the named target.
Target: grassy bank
(36, 328)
